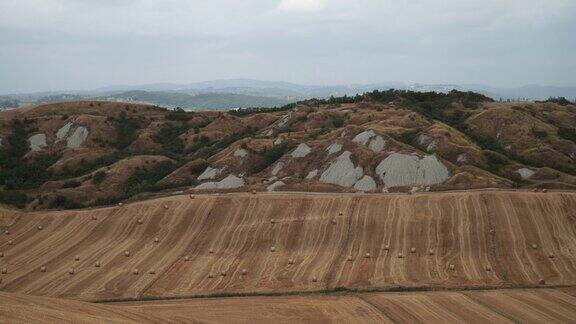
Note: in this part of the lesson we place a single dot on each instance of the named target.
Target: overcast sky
(84, 44)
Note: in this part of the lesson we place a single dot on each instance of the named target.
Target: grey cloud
(71, 44)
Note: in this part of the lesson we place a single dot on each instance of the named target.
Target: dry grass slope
(469, 230)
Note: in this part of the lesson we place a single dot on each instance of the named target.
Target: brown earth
(469, 230)
(495, 306)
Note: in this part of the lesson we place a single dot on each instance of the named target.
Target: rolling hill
(243, 243)
(200, 101)
(87, 153)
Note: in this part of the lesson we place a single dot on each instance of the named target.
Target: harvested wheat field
(498, 306)
(234, 243)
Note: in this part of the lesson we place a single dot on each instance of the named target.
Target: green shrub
(409, 137)
(99, 177)
(61, 202)
(143, 179)
(126, 131)
(495, 162)
(71, 184)
(557, 100)
(271, 155)
(88, 166)
(13, 198)
(28, 173)
(567, 133)
(168, 137)
(539, 133)
(179, 114)
(337, 121)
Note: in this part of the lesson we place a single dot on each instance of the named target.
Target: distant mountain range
(239, 93)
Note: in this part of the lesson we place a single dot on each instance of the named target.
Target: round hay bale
(488, 268)
(187, 258)
(223, 273)
(535, 190)
(272, 221)
(542, 282)
(333, 222)
(71, 271)
(97, 264)
(76, 258)
(544, 190)
(156, 240)
(367, 255)
(191, 196)
(40, 227)
(4, 270)
(387, 247)
(43, 269)
(10, 242)
(253, 192)
(7, 232)
(400, 255)
(273, 249)
(551, 256)
(534, 246)
(314, 279)
(165, 206)
(244, 272)
(94, 217)
(452, 267)
(430, 252)
(1, 254)
(341, 213)
(127, 253)
(350, 258)
(290, 261)
(140, 221)
(135, 271)
(210, 275)
(152, 271)
(211, 251)
(413, 250)
(120, 204)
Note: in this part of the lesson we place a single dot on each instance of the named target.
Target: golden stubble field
(242, 243)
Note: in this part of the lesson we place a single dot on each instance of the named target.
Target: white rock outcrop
(364, 137)
(312, 174)
(277, 168)
(37, 142)
(377, 144)
(63, 131)
(283, 121)
(342, 172)
(241, 153)
(462, 158)
(230, 182)
(409, 170)
(301, 151)
(78, 137)
(275, 185)
(209, 174)
(365, 184)
(525, 173)
(334, 148)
